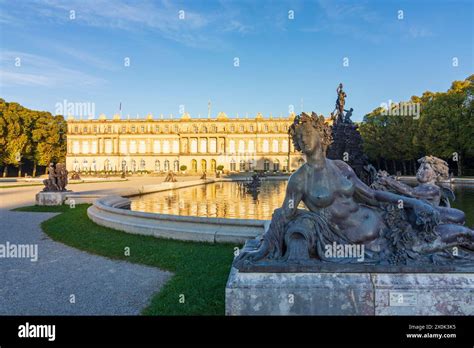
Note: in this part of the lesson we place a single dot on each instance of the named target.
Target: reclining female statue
(393, 228)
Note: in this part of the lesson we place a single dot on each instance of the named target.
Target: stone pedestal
(349, 293)
(51, 198)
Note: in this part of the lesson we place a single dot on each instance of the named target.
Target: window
(176, 129)
(124, 129)
(275, 145)
(265, 146)
(232, 146)
(157, 166)
(175, 146)
(142, 164)
(213, 145)
(251, 146)
(176, 166)
(195, 129)
(167, 129)
(85, 165)
(213, 129)
(95, 129)
(276, 165)
(284, 146)
(133, 129)
(142, 146)
(134, 166)
(85, 130)
(142, 128)
(204, 129)
(242, 166)
(94, 146)
(241, 128)
(251, 128)
(167, 166)
(265, 128)
(232, 166)
(76, 129)
(108, 146)
(156, 146)
(204, 145)
(123, 147)
(133, 146)
(75, 146)
(266, 165)
(241, 146)
(85, 146)
(275, 128)
(109, 129)
(157, 129)
(232, 128)
(124, 165)
(194, 145)
(166, 146)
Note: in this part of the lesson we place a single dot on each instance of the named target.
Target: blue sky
(185, 62)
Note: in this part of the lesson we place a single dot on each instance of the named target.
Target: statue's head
(432, 169)
(310, 133)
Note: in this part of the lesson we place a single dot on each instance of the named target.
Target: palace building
(200, 144)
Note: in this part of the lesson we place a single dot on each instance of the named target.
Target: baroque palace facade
(161, 145)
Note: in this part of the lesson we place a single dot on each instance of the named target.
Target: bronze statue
(57, 178)
(170, 177)
(431, 172)
(394, 229)
(340, 102)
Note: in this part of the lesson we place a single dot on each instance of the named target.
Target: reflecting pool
(229, 200)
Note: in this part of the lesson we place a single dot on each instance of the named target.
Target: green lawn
(200, 269)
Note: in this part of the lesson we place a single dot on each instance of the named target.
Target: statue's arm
(371, 196)
(398, 186)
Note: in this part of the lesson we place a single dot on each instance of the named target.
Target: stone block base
(349, 293)
(51, 198)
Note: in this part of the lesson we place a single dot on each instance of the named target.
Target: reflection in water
(227, 199)
(223, 199)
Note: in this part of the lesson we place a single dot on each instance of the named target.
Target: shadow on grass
(200, 269)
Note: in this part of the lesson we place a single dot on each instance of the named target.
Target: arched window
(275, 145)
(85, 165)
(266, 165)
(242, 166)
(167, 166)
(266, 146)
(94, 165)
(241, 146)
(276, 165)
(176, 166)
(232, 165)
(124, 166)
(157, 166)
(134, 166)
(142, 164)
(204, 129)
(194, 165)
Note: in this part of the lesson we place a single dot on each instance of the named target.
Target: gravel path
(100, 286)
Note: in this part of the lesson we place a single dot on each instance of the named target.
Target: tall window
(157, 166)
(142, 146)
(265, 146)
(167, 166)
(266, 165)
(276, 165)
(85, 146)
(242, 166)
(176, 166)
(156, 146)
(133, 146)
(166, 146)
(232, 165)
(275, 145)
(232, 146)
(241, 146)
(203, 145)
(251, 146)
(142, 164)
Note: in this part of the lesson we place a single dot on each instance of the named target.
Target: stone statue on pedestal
(389, 228)
(57, 178)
